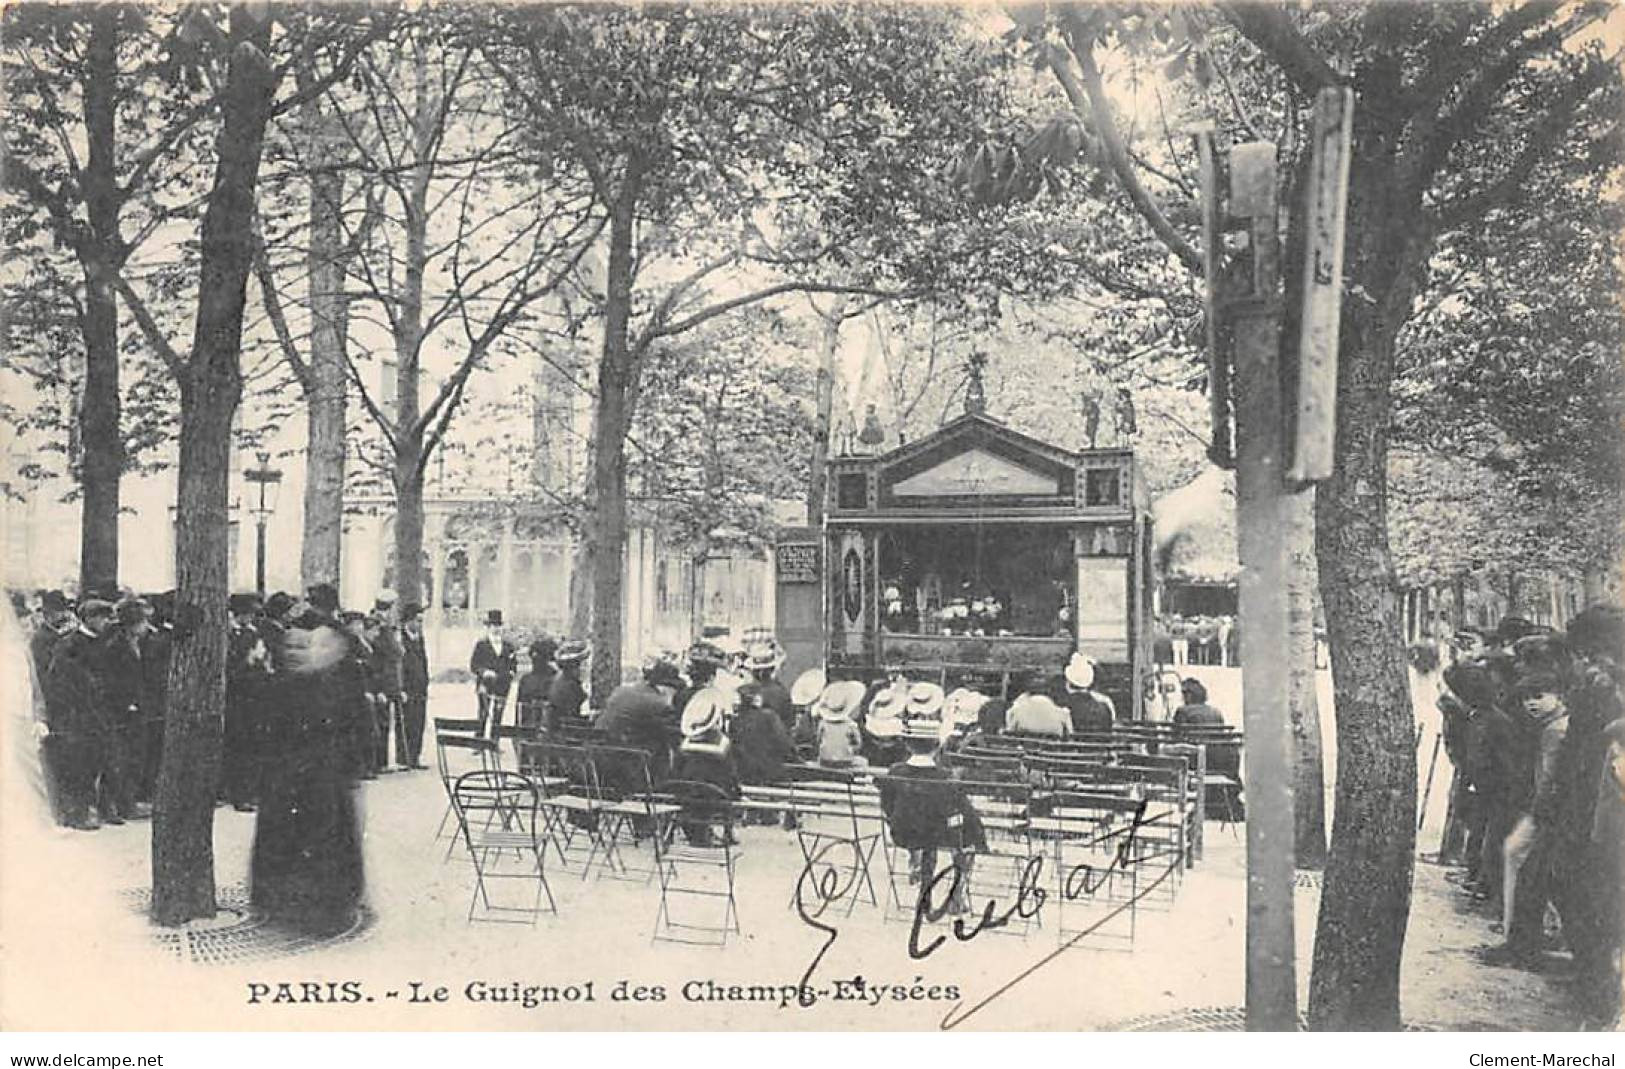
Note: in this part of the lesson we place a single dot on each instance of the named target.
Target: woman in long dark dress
(306, 870)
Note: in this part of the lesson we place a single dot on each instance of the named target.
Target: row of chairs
(596, 805)
(593, 807)
(1070, 845)
(1212, 756)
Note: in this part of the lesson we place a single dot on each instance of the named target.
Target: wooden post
(1252, 307)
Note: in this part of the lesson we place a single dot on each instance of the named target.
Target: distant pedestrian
(414, 688)
(494, 664)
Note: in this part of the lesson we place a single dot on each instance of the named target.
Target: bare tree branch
(1093, 92)
(1270, 28)
(149, 326)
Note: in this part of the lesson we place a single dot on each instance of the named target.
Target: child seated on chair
(705, 756)
(928, 810)
(840, 744)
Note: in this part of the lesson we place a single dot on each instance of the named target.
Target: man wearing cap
(414, 688)
(246, 672)
(120, 655)
(155, 656)
(493, 662)
(57, 621)
(387, 674)
(567, 695)
(76, 713)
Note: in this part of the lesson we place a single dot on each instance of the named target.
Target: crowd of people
(729, 721)
(1200, 639)
(1533, 726)
(314, 696)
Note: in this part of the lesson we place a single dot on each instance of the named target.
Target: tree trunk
(823, 405)
(1309, 784)
(101, 437)
(609, 449)
(581, 587)
(409, 529)
(696, 593)
(1365, 905)
(210, 386)
(326, 402)
(410, 434)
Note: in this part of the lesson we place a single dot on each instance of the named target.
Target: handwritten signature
(821, 884)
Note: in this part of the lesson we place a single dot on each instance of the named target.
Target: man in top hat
(76, 714)
(764, 691)
(414, 688)
(494, 663)
(567, 695)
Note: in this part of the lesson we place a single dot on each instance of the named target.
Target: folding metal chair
(1096, 884)
(447, 742)
(497, 812)
(702, 867)
(628, 813)
(834, 812)
(1004, 808)
(571, 800)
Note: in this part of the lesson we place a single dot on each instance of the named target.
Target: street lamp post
(270, 481)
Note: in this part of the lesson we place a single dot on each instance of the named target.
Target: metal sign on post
(1316, 402)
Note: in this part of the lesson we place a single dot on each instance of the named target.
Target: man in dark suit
(387, 670)
(415, 684)
(76, 714)
(494, 662)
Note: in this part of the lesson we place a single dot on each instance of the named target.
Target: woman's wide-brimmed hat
(807, 687)
(1080, 672)
(704, 712)
(883, 727)
(840, 700)
(925, 728)
(760, 655)
(963, 706)
(572, 650)
(924, 700)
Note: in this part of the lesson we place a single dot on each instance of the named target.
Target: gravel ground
(79, 954)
